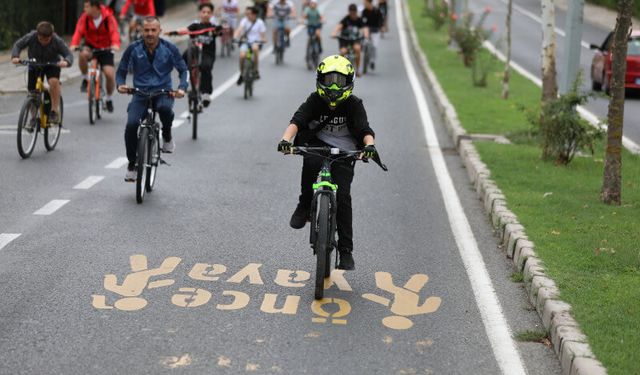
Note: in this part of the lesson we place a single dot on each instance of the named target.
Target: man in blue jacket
(151, 60)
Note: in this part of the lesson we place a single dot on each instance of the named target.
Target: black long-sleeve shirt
(345, 126)
(49, 53)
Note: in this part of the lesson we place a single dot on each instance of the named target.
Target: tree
(549, 85)
(507, 65)
(612, 179)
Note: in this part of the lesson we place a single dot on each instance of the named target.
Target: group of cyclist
(331, 116)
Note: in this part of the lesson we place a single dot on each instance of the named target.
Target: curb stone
(570, 344)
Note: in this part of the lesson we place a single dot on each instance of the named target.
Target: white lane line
(184, 114)
(495, 324)
(51, 207)
(88, 182)
(117, 164)
(12, 129)
(539, 20)
(630, 145)
(5, 238)
(177, 123)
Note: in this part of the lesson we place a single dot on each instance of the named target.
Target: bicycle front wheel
(321, 225)
(193, 107)
(92, 100)
(142, 161)
(52, 131)
(28, 127)
(154, 159)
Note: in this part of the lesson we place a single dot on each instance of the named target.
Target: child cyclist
(331, 116)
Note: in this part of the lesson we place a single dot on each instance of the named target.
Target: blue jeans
(137, 110)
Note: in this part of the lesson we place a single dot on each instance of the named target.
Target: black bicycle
(312, 56)
(148, 157)
(324, 208)
(248, 72)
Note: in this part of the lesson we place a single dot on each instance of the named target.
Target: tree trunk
(507, 65)
(549, 84)
(612, 180)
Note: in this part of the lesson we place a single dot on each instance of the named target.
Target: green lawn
(591, 250)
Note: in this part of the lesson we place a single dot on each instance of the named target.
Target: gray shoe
(131, 176)
(54, 118)
(169, 147)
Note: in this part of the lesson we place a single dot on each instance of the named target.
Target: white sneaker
(206, 99)
(131, 176)
(169, 147)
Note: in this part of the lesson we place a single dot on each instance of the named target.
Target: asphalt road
(526, 51)
(207, 277)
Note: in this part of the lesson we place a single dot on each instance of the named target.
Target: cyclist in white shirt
(252, 31)
(230, 12)
(282, 11)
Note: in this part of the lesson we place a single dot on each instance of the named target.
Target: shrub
(438, 11)
(470, 36)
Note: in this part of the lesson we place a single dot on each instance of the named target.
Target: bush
(438, 12)
(470, 36)
(561, 130)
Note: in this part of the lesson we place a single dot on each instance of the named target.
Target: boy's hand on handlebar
(15, 60)
(179, 93)
(284, 146)
(63, 64)
(124, 89)
(369, 151)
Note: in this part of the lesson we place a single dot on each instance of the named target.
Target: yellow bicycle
(34, 115)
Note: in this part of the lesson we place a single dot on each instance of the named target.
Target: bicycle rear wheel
(92, 100)
(367, 59)
(322, 226)
(153, 159)
(28, 127)
(142, 162)
(52, 131)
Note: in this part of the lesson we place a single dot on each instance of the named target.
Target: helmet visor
(334, 78)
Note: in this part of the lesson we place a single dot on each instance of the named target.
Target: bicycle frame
(40, 89)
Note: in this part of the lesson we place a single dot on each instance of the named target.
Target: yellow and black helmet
(334, 82)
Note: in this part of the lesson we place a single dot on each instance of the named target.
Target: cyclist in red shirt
(141, 9)
(99, 28)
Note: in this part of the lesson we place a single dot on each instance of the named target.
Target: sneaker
(131, 174)
(206, 100)
(240, 80)
(54, 118)
(373, 66)
(286, 42)
(109, 104)
(83, 86)
(256, 75)
(299, 218)
(346, 261)
(168, 147)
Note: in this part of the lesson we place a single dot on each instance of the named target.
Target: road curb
(569, 343)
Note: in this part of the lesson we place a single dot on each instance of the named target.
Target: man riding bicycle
(252, 31)
(282, 11)
(331, 116)
(351, 29)
(45, 46)
(208, 50)
(141, 9)
(314, 20)
(99, 28)
(151, 60)
(373, 20)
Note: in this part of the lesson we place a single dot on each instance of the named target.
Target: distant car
(601, 64)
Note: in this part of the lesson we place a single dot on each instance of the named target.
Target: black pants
(206, 66)
(342, 174)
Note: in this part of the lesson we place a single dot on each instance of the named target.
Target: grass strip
(591, 250)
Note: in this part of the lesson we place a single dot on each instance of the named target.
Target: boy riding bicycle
(45, 46)
(208, 50)
(331, 116)
(282, 11)
(349, 30)
(314, 20)
(252, 31)
(99, 28)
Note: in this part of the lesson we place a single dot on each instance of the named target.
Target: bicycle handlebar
(152, 94)
(336, 152)
(33, 62)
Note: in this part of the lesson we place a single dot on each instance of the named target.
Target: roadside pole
(572, 45)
